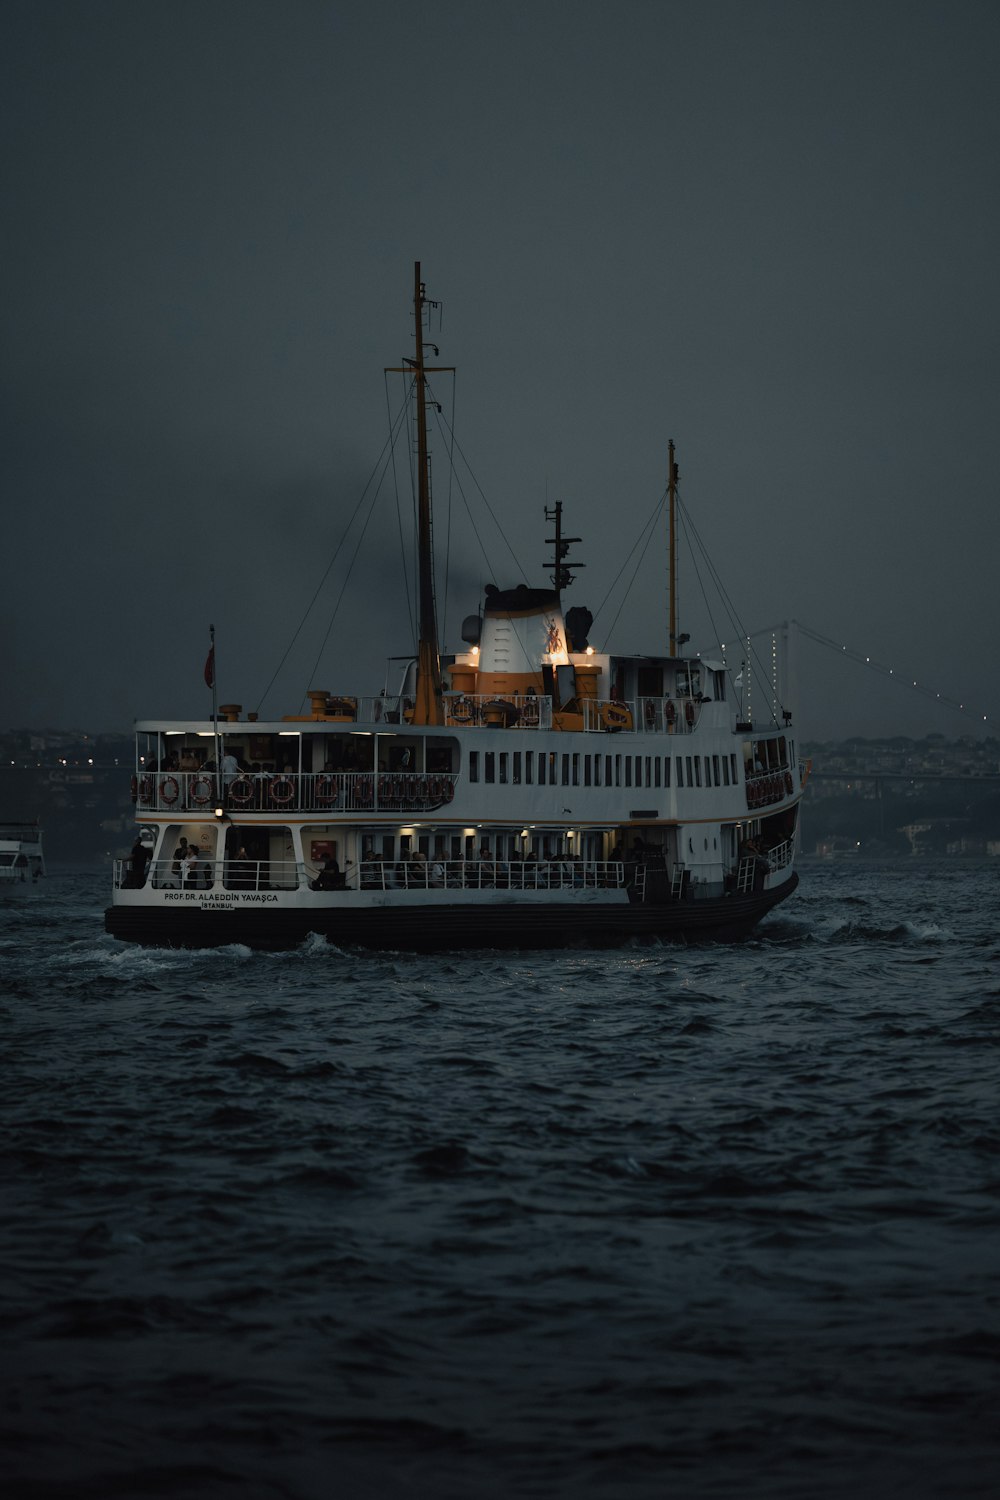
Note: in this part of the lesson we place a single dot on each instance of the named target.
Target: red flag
(210, 668)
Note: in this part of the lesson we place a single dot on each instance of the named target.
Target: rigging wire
(457, 447)
(760, 670)
(329, 567)
(411, 613)
(347, 579)
(648, 527)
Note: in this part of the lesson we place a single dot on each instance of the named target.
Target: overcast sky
(766, 230)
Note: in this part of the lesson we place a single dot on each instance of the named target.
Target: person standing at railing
(138, 863)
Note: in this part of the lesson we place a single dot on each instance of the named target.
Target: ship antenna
(561, 574)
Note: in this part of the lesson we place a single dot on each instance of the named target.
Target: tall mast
(429, 706)
(672, 477)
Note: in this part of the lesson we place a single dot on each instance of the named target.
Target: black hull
(428, 929)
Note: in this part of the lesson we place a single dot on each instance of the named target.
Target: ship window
(666, 770)
(553, 765)
(697, 770)
(618, 770)
(565, 770)
(690, 773)
(541, 768)
(576, 770)
(680, 770)
(489, 766)
(503, 767)
(607, 770)
(732, 762)
(656, 769)
(529, 766)
(628, 770)
(516, 759)
(586, 770)
(725, 769)
(638, 770)
(597, 770)
(715, 763)
(473, 765)
(649, 771)
(708, 771)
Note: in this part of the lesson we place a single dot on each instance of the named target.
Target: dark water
(662, 1222)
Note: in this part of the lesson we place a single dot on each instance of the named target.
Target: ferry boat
(527, 791)
(22, 862)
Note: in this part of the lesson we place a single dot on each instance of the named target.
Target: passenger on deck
(329, 877)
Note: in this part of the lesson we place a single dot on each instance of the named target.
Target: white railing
(324, 791)
(781, 856)
(640, 715)
(488, 874)
(498, 710)
(767, 787)
(205, 873)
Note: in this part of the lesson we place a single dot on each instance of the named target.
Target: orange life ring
(281, 798)
(241, 791)
(529, 711)
(196, 797)
(689, 712)
(363, 791)
(327, 789)
(146, 788)
(447, 789)
(669, 710)
(169, 790)
(649, 713)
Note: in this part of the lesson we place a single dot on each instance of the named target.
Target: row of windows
(549, 767)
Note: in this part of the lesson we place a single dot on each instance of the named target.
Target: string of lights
(904, 679)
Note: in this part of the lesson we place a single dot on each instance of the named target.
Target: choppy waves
(692, 1221)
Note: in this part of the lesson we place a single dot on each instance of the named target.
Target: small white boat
(22, 862)
(525, 791)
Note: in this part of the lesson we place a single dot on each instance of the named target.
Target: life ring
(529, 711)
(196, 796)
(241, 791)
(649, 713)
(689, 712)
(447, 788)
(434, 789)
(169, 790)
(669, 710)
(413, 789)
(363, 791)
(615, 716)
(463, 711)
(327, 789)
(146, 788)
(281, 791)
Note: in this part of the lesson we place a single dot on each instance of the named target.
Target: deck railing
(488, 874)
(207, 873)
(324, 791)
(497, 710)
(767, 787)
(640, 715)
